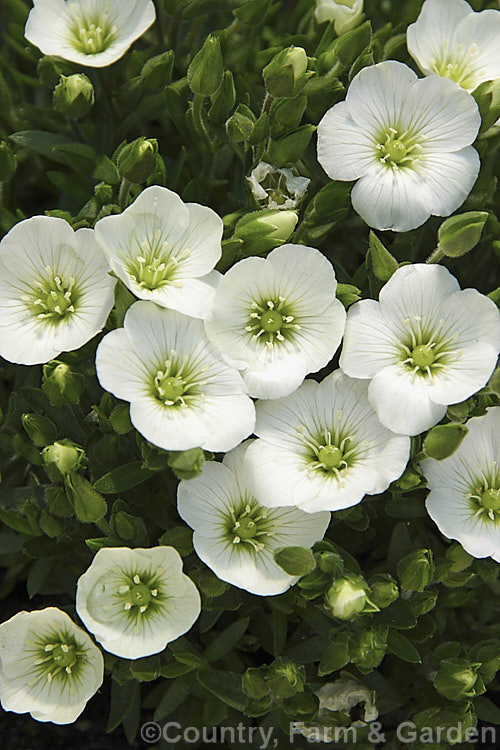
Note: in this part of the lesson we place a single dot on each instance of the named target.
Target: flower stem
(124, 192)
(436, 256)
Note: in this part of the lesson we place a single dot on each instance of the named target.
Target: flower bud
(41, 430)
(347, 597)
(285, 677)
(65, 455)
(416, 570)
(367, 648)
(262, 231)
(456, 679)
(240, 125)
(330, 562)
(157, 71)
(186, 464)
(223, 100)
(61, 384)
(442, 441)
(348, 294)
(103, 192)
(384, 590)
(207, 68)
(73, 96)
(487, 96)
(410, 479)
(137, 160)
(286, 74)
(253, 683)
(7, 162)
(459, 234)
(345, 14)
(379, 261)
(276, 188)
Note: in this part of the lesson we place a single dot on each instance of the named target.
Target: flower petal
(345, 150)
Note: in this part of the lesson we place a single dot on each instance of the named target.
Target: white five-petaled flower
(276, 188)
(323, 448)
(464, 498)
(426, 344)
(165, 250)
(346, 14)
(278, 319)
(450, 39)
(49, 667)
(406, 141)
(236, 536)
(90, 32)
(182, 393)
(135, 601)
(55, 290)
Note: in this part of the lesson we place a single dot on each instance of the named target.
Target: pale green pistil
(91, 32)
(173, 385)
(461, 66)
(396, 149)
(250, 526)
(486, 501)
(137, 596)
(60, 658)
(55, 299)
(156, 265)
(423, 356)
(170, 388)
(272, 321)
(330, 456)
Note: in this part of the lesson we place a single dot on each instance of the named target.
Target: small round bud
(64, 455)
(347, 597)
(61, 384)
(41, 430)
(73, 96)
(137, 160)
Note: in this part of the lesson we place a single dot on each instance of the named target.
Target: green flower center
(423, 356)
(249, 525)
(91, 30)
(485, 499)
(330, 456)
(55, 299)
(425, 350)
(58, 656)
(329, 453)
(272, 320)
(138, 594)
(155, 266)
(395, 149)
(175, 384)
(462, 68)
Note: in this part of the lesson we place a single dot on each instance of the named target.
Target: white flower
(234, 535)
(449, 39)
(165, 250)
(276, 188)
(278, 318)
(464, 498)
(49, 667)
(406, 142)
(346, 14)
(182, 393)
(135, 601)
(55, 290)
(424, 345)
(323, 448)
(90, 32)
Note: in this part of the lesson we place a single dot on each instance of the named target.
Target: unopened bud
(416, 570)
(207, 68)
(442, 441)
(286, 74)
(137, 160)
(456, 679)
(61, 384)
(460, 234)
(73, 96)
(347, 597)
(41, 430)
(345, 14)
(262, 231)
(65, 455)
(384, 590)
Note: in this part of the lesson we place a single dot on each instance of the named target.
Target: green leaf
(123, 478)
(16, 521)
(379, 261)
(226, 640)
(42, 143)
(173, 697)
(123, 698)
(226, 686)
(336, 655)
(486, 710)
(402, 647)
